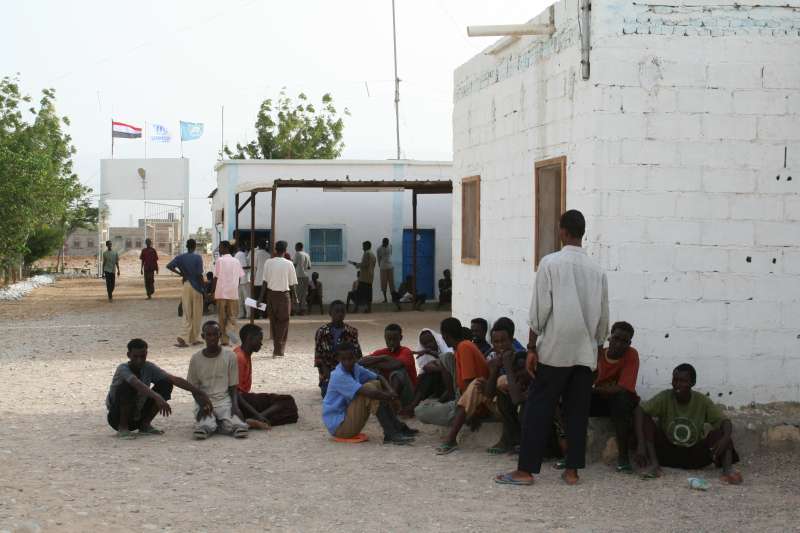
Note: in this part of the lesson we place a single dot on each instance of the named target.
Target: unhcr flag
(191, 130)
(159, 133)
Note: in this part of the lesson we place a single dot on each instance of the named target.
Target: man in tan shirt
(366, 269)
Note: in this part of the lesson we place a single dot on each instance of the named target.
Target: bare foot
(181, 343)
(570, 476)
(732, 478)
(252, 423)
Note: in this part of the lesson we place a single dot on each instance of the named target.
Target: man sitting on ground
(445, 290)
(261, 410)
(132, 404)
(405, 295)
(479, 328)
(396, 363)
(352, 294)
(677, 440)
(429, 375)
(508, 384)
(506, 323)
(458, 370)
(315, 293)
(353, 394)
(214, 371)
(471, 374)
(327, 340)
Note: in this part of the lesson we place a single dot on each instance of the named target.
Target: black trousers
(111, 280)
(619, 407)
(430, 384)
(510, 416)
(126, 398)
(573, 385)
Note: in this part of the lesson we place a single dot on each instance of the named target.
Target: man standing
(227, 272)
(302, 265)
(149, 259)
(366, 273)
(260, 258)
(189, 267)
(568, 327)
(386, 267)
(110, 261)
(244, 282)
(278, 287)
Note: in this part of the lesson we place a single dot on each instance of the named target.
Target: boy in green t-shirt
(678, 440)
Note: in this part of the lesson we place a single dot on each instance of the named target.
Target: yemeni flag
(125, 131)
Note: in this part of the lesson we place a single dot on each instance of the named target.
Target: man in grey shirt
(131, 402)
(568, 326)
(386, 267)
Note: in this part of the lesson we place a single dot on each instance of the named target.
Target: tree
(37, 185)
(294, 129)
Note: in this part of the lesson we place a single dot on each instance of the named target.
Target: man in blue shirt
(189, 267)
(353, 394)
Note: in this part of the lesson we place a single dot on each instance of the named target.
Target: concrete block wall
(683, 151)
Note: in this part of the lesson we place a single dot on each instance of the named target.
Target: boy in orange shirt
(471, 372)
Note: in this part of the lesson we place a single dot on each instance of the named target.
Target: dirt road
(62, 469)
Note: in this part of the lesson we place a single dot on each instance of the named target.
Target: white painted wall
(675, 151)
(362, 216)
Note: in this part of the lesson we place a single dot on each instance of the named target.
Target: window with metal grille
(326, 245)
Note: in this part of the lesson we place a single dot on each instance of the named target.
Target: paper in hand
(250, 302)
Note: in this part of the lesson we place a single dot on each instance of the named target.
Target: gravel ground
(63, 470)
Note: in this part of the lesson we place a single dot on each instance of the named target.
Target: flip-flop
(561, 464)
(624, 468)
(240, 433)
(446, 448)
(126, 435)
(361, 437)
(200, 435)
(650, 475)
(497, 450)
(507, 479)
(150, 430)
(734, 478)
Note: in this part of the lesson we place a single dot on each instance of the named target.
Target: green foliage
(43, 242)
(38, 190)
(294, 129)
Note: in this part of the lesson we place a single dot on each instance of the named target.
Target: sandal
(150, 430)
(498, 450)
(651, 474)
(561, 464)
(199, 434)
(446, 448)
(624, 468)
(507, 479)
(126, 435)
(240, 433)
(734, 478)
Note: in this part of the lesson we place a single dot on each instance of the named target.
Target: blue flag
(191, 130)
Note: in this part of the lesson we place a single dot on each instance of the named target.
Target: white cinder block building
(682, 148)
(332, 223)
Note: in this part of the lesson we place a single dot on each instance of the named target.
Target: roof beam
(508, 30)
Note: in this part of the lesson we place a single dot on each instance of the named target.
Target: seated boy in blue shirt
(353, 394)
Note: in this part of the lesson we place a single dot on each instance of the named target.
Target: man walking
(366, 273)
(110, 262)
(568, 327)
(278, 290)
(227, 272)
(302, 265)
(386, 267)
(189, 266)
(149, 259)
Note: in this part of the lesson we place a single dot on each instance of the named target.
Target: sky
(161, 62)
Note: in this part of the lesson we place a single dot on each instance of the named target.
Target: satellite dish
(141, 172)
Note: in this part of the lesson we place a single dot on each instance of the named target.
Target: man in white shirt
(261, 257)
(278, 290)
(386, 267)
(302, 266)
(244, 281)
(568, 325)
(227, 273)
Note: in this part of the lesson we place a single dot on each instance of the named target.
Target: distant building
(165, 234)
(81, 243)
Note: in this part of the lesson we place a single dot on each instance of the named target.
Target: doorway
(426, 259)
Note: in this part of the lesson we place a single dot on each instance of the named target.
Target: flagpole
(222, 137)
(112, 137)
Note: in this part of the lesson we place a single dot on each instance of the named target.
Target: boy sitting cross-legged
(214, 371)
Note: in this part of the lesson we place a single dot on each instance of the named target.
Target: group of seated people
(219, 379)
(456, 377)
(453, 378)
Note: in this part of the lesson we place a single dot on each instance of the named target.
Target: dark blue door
(426, 259)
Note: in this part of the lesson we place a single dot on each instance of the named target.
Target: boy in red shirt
(470, 378)
(260, 410)
(397, 364)
(614, 393)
